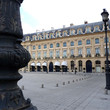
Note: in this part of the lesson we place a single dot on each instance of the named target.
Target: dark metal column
(12, 57)
(107, 61)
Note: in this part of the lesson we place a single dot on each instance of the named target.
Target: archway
(88, 66)
(38, 66)
(51, 67)
(57, 66)
(44, 67)
(32, 66)
(72, 66)
(98, 66)
(80, 66)
(64, 66)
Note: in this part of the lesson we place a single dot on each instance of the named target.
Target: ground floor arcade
(82, 65)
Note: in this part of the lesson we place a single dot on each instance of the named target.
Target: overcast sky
(44, 14)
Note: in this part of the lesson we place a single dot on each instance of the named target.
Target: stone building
(80, 47)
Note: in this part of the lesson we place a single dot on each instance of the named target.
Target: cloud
(44, 14)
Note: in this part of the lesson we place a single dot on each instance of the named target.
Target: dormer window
(96, 28)
(34, 37)
(57, 34)
(79, 31)
(88, 30)
(64, 33)
(27, 38)
(72, 32)
(51, 35)
(45, 36)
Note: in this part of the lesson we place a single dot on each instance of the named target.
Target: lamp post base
(107, 81)
(14, 100)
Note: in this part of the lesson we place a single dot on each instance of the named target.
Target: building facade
(79, 47)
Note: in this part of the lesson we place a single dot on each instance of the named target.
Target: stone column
(12, 57)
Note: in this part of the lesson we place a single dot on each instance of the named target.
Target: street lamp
(105, 19)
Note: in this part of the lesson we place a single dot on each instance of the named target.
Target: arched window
(51, 45)
(79, 42)
(45, 46)
(39, 46)
(72, 43)
(97, 41)
(87, 41)
(57, 45)
(64, 44)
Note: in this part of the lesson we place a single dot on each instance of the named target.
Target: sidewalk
(66, 91)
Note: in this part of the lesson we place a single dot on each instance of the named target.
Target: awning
(38, 64)
(64, 63)
(44, 64)
(57, 63)
(32, 64)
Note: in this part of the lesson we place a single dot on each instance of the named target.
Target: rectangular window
(88, 51)
(57, 53)
(45, 54)
(33, 55)
(72, 52)
(97, 50)
(39, 54)
(64, 53)
(80, 51)
(51, 54)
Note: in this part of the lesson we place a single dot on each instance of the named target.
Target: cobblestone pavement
(67, 91)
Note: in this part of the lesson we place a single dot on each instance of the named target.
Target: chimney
(71, 24)
(85, 22)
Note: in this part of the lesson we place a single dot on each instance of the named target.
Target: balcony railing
(64, 57)
(88, 55)
(72, 56)
(32, 58)
(57, 57)
(38, 58)
(79, 55)
(97, 55)
(51, 57)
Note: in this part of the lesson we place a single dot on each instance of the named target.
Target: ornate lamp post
(105, 19)
(12, 57)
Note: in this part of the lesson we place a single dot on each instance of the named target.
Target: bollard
(22, 87)
(42, 86)
(68, 82)
(57, 85)
(106, 91)
(73, 80)
(63, 83)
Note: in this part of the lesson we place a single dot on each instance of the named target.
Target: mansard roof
(74, 27)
